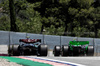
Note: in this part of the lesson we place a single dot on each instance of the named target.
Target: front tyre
(57, 50)
(10, 50)
(64, 50)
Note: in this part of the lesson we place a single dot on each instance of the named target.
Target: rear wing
(78, 42)
(30, 40)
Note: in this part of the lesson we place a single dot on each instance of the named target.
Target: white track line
(53, 60)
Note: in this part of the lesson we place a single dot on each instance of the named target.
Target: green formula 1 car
(74, 48)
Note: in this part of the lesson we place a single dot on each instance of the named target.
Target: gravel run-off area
(4, 62)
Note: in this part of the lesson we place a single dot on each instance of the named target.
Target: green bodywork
(78, 44)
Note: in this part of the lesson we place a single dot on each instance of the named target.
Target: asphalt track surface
(84, 60)
(73, 61)
(81, 60)
(87, 61)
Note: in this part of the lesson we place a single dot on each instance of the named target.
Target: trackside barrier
(7, 37)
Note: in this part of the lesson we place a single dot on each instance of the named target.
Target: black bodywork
(28, 47)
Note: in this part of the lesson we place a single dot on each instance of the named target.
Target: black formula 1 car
(28, 47)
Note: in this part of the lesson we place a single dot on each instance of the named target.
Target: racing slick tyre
(64, 50)
(15, 50)
(57, 50)
(43, 50)
(90, 51)
(9, 50)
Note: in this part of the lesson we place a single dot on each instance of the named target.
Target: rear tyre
(15, 50)
(90, 51)
(43, 50)
(57, 50)
(65, 51)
